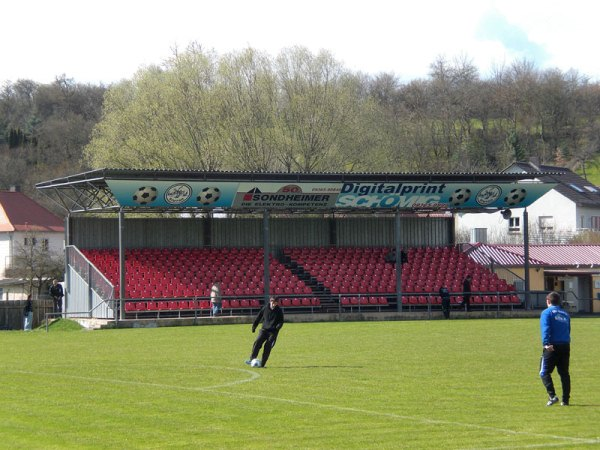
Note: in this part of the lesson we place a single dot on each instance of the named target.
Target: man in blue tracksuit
(555, 327)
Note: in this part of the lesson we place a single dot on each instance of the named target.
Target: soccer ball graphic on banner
(208, 195)
(515, 197)
(145, 195)
(255, 362)
(460, 196)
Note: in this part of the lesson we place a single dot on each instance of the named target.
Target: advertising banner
(184, 194)
(265, 195)
(314, 196)
(439, 196)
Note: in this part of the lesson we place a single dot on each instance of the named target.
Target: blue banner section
(313, 196)
(184, 194)
(439, 196)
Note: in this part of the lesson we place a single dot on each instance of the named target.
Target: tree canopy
(297, 111)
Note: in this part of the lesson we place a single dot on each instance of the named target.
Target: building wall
(11, 242)
(5, 242)
(596, 293)
(552, 210)
(536, 277)
(588, 218)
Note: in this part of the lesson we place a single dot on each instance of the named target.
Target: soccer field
(457, 384)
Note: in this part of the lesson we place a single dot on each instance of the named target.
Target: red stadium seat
(203, 304)
(140, 306)
(163, 305)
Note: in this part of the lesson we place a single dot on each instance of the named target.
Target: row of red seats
(191, 305)
(457, 300)
(364, 301)
(185, 305)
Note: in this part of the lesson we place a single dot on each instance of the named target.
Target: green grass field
(416, 384)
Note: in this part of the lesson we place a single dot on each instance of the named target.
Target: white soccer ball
(145, 195)
(255, 362)
(208, 195)
(515, 197)
(460, 196)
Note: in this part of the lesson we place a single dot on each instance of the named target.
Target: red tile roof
(547, 255)
(20, 213)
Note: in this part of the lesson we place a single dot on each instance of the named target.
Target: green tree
(164, 118)
(319, 106)
(249, 111)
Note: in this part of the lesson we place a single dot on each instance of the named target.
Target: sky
(104, 42)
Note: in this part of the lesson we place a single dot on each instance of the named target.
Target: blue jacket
(555, 325)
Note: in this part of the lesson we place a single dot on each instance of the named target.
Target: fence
(11, 312)
(88, 289)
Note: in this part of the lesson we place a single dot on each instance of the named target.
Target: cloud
(494, 27)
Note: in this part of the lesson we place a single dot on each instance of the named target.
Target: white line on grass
(574, 440)
(254, 376)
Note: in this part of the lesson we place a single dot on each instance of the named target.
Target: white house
(571, 206)
(23, 223)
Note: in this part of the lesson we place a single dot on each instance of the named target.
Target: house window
(546, 223)
(45, 244)
(30, 242)
(514, 224)
(595, 222)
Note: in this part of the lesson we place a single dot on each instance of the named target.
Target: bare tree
(34, 263)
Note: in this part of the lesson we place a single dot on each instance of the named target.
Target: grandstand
(172, 282)
(318, 241)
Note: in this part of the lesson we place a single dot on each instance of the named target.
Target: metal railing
(88, 291)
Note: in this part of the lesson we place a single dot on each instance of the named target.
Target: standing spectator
(28, 314)
(216, 299)
(272, 318)
(445, 294)
(555, 327)
(467, 292)
(57, 294)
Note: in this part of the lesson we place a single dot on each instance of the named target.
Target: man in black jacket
(467, 292)
(57, 294)
(272, 319)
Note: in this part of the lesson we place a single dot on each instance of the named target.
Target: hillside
(592, 171)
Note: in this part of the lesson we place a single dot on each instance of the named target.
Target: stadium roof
(147, 190)
(564, 255)
(568, 183)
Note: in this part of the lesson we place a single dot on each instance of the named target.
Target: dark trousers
(57, 304)
(558, 358)
(268, 338)
(446, 307)
(467, 301)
